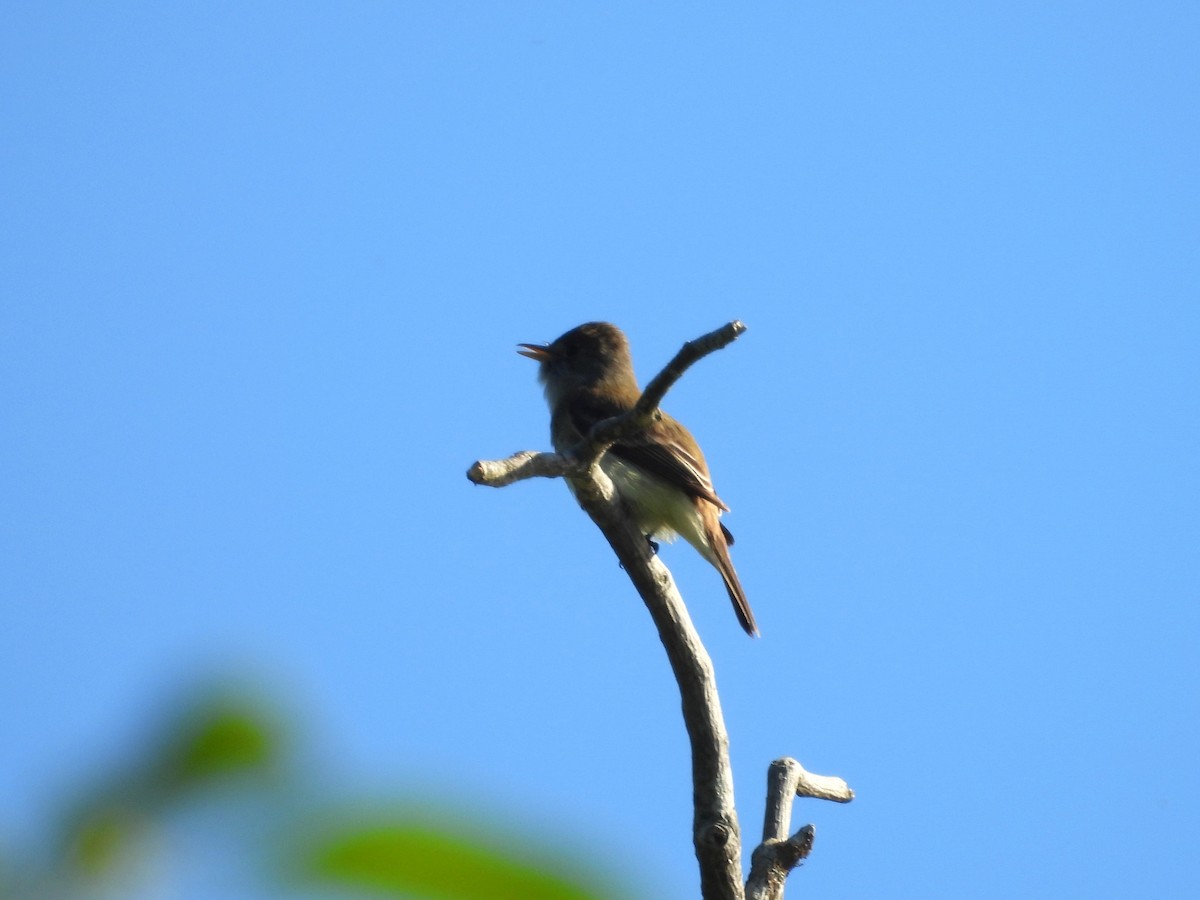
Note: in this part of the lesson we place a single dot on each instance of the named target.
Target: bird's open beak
(540, 352)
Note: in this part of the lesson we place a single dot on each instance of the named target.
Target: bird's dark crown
(590, 352)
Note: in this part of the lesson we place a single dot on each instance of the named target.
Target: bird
(660, 471)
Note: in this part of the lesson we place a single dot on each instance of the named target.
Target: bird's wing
(664, 449)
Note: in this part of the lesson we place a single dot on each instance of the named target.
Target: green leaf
(222, 738)
(101, 840)
(412, 860)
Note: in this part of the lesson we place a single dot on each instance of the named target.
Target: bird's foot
(653, 550)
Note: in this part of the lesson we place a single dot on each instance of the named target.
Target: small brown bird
(659, 472)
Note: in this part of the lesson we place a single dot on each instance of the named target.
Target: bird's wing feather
(672, 463)
(656, 450)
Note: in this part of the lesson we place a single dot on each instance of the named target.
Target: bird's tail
(719, 540)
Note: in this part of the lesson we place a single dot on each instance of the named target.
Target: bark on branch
(715, 831)
(778, 854)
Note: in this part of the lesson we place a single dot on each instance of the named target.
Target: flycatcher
(659, 472)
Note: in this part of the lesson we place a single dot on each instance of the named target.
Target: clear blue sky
(263, 268)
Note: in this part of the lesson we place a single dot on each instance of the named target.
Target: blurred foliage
(223, 739)
(411, 860)
(226, 738)
(100, 838)
(215, 739)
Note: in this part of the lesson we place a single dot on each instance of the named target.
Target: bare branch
(691, 352)
(773, 860)
(608, 432)
(786, 779)
(519, 466)
(715, 831)
(778, 854)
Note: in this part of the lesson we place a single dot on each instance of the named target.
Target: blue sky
(263, 269)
